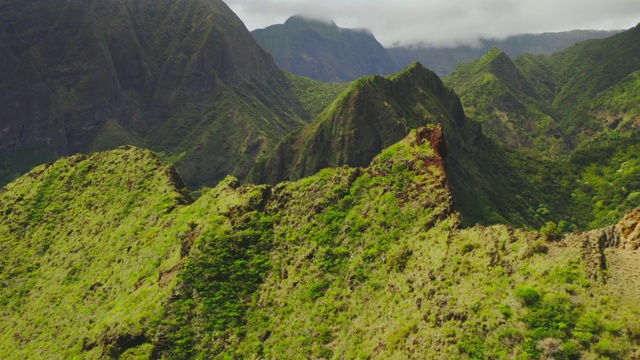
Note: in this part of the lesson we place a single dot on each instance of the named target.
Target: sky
(446, 22)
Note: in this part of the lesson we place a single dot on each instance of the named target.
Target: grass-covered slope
(589, 68)
(322, 51)
(315, 96)
(375, 112)
(371, 263)
(107, 257)
(570, 97)
(576, 108)
(84, 269)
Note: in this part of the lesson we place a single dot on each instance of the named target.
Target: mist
(443, 22)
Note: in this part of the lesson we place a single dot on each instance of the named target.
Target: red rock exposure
(435, 136)
(628, 230)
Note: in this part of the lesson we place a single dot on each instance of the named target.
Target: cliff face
(93, 75)
(370, 115)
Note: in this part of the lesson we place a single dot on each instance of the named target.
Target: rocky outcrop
(628, 231)
(625, 235)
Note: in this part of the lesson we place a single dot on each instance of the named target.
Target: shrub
(530, 296)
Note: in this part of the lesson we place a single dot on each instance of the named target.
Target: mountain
(512, 109)
(375, 112)
(375, 246)
(184, 78)
(574, 111)
(84, 269)
(322, 51)
(351, 262)
(574, 87)
(443, 60)
(372, 114)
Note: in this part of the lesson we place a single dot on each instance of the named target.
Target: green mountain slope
(574, 87)
(443, 60)
(585, 71)
(576, 108)
(169, 75)
(84, 267)
(376, 112)
(323, 51)
(372, 114)
(496, 93)
(351, 262)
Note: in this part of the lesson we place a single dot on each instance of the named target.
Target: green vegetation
(370, 250)
(574, 116)
(86, 268)
(314, 95)
(348, 263)
(443, 60)
(496, 93)
(371, 114)
(184, 79)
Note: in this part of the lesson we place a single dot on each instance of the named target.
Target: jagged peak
(496, 58)
(415, 68)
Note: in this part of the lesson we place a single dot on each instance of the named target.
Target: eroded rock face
(628, 230)
(625, 235)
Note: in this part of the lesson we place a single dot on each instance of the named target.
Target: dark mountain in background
(443, 60)
(184, 78)
(323, 51)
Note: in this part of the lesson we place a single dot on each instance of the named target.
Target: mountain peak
(320, 50)
(368, 117)
(497, 59)
(86, 84)
(302, 20)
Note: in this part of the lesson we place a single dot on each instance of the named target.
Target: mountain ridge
(356, 120)
(330, 242)
(443, 60)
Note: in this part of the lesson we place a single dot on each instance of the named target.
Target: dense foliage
(348, 263)
(85, 265)
(573, 114)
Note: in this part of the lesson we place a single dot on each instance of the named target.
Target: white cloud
(446, 22)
